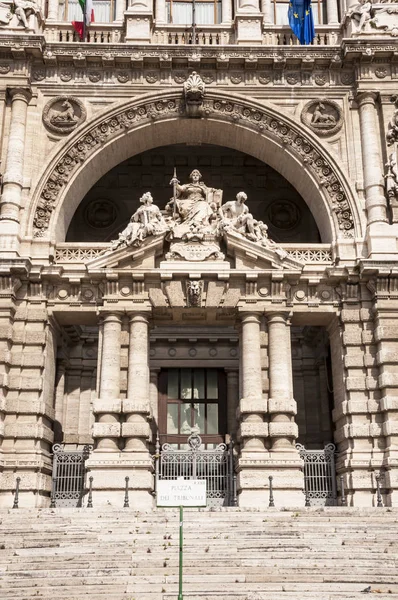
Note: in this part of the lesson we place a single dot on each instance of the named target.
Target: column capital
(367, 97)
(111, 317)
(139, 317)
(20, 93)
(251, 316)
(279, 317)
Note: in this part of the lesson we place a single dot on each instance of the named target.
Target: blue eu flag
(301, 20)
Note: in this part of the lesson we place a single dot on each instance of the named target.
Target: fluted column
(252, 407)
(136, 406)
(108, 405)
(160, 14)
(281, 405)
(232, 400)
(53, 10)
(332, 12)
(10, 203)
(375, 201)
(266, 9)
(226, 11)
(120, 9)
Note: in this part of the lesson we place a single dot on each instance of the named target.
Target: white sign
(181, 492)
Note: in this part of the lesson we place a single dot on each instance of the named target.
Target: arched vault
(227, 120)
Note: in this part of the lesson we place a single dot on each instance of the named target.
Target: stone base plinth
(138, 27)
(109, 472)
(249, 28)
(382, 241)
(253, 480)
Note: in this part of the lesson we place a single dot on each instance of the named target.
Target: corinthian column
(136, 406)
(375, 201)
(108, 406)
(281, 405)
(10, 203)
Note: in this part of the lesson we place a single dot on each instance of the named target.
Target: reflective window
(207, 12)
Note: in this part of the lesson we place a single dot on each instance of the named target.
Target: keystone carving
(194, 93)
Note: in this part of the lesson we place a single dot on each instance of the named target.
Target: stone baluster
(281, 405)
(226, 10)
(375, 201)
(136, 429)
(332, 12)
(252, 407)
(53, 10)
(160, 13)
(108, 406)
(10, 203)
(232, 400)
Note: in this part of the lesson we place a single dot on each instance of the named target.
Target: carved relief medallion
(100, 213)
(324, 117)
(63, 114)
(283, 214)
(4, 68)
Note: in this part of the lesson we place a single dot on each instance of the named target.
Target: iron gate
(319, 475)
(68, 476)
(216, 466)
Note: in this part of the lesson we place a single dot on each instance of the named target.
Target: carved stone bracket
(260, 119)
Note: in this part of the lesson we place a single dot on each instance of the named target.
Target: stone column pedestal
(139, 22)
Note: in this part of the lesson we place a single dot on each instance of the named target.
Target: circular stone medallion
(63, 114)
(323, 117)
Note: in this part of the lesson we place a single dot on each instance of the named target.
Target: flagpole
(193, 22)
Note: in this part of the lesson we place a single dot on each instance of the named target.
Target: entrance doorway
(192, 401)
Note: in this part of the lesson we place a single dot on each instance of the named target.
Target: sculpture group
(195, 214)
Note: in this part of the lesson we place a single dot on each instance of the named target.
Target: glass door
(192, 401)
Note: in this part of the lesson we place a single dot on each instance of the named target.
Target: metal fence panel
(319, 475)
(215, 466)
(68, 478)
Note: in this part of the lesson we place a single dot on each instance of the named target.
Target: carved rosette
(326, 120)
(235, 111)
(63, 114)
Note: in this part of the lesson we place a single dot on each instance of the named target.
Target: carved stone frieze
(262, 120)
(63, 114)
(323, 117)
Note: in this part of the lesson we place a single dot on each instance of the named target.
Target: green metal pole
(180, 596)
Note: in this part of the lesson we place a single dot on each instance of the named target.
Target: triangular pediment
(130, 257)
(253, 255)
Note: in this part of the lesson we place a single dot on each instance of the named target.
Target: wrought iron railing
(216, 466)
(68, 479)
(319, 475)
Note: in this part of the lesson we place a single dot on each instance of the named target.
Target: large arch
(227, 120)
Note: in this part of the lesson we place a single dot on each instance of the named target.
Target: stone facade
(304, 329)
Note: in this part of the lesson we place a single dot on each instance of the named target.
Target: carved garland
(222, 109)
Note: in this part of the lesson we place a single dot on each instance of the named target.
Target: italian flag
(88, 16)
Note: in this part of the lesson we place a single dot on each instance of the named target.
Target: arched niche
(227, 120)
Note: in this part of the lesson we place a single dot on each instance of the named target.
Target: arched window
(207, 12)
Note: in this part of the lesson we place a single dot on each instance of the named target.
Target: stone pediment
(129, 257)
(251, 255)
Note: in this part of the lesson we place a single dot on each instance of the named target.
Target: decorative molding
(235, 110)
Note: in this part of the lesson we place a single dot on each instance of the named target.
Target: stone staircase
(229, 554)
